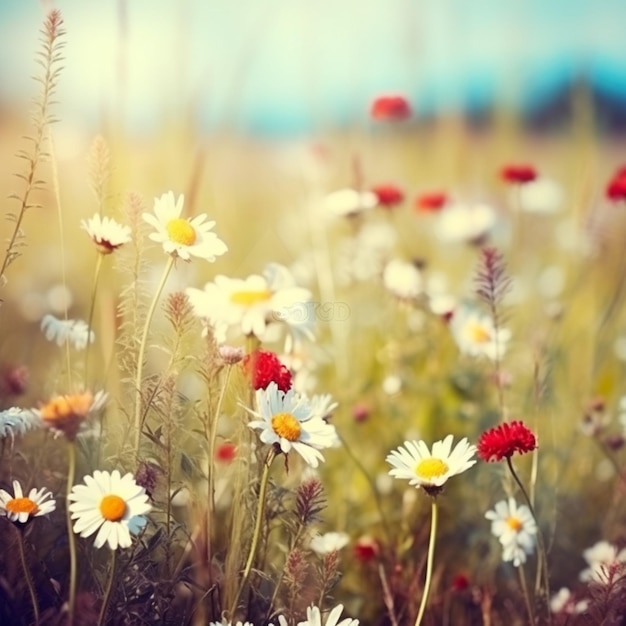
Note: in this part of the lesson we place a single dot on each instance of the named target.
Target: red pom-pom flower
(263, 367)
(391, 108)
(518, 173)
(505, 440)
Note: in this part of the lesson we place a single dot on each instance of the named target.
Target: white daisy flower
(403, 279)
(106, 233)
(465, 223)
(314, 618)
(227, 623)
(475, 333)
(329, 542)
(19, 508)
(287, 419)
(599, 557)
(431, 470)
(16, 421)
(542, 196)
(515, 528)
(349, 202)
(251, 303)
(106, 503)
(180, 236)
(75, 332)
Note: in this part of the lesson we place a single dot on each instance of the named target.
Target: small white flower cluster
(313, 618)
(16, 421)
(476, 334)
(515, 528)
(75, 332)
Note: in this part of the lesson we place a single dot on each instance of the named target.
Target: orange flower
(65, 414)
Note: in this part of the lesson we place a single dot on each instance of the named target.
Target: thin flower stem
(71, 470)
(107, 593)
(541, 548)
(271, 455)
(92, 306)
(138, 418)
(28, 577)
(429, 561)
(524, 585)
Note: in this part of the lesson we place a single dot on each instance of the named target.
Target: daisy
(403, 279)
(476, 334)
(75, 332)
(288, 420)
(314, 618)
(469, 223)
(226, 623)
(431, 470)
(20, 508)
(16, 421)
(106, 503)
(183, 237)
(600, 557)
(515, 528)
(329, 542)
(251, 303)
(505, 440)
(106, 233)
(66, 414)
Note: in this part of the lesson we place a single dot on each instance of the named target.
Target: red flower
(430, 202)
(390, 108)
(366, 549)
(616, 189)
(263, 367)
(388, 195)
(460, 582)
(504, 440)
(226, 452)
(518, 173)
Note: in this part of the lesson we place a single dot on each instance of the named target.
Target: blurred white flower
(541, 195)
(515, 528)
(563, 602)
(468, 223)
(600, 557)
(476, 335)
(106, 233)
(16, 421)
(314, 618)
(329, 542)
(75, 332)
(347, 202)
(403, 279)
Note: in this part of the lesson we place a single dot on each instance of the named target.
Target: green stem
(71, 470)
(138, 418)
(107, 593)
(271, 455)
(529, 606)
(92, 306)
(28, 577)
(429, 561)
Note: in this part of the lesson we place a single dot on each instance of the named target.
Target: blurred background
(285, 67)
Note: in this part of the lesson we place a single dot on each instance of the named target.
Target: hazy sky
(265, 64)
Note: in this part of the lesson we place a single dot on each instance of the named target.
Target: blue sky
(298, 64)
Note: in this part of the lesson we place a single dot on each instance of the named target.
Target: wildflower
(16, 421)
(182, 237)
(476, 334)
(541, 196)
(515, 528)
(366, 549)
(14, 380)
(403, 279)
(75, 332)
(20, 508)
(431, 201)
(393, 108)
(65, 414)
(322, 405)
(388, 195)
(600, 557)
(263, 367)
(251, 303)
(465, 223)
(226, 452)
(431, 470)
(460, 582)
(360, 412)
(230, 354)
(563, 602)
(106, 503)
(518, 173)
(288, 420)
(505, 440)
(147, 476)
(616, 187)
(225, 623)
(106, 233)
(349, 202)
(314, 618)
(329, 542)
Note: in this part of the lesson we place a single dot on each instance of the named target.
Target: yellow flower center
(60, 407)
(514, 523)
(112, 508)
(431, 468)
(285, 425)
(22, 505)
(181, 231)
(478, 333)
(248, 298)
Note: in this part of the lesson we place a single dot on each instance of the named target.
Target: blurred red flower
(226, 452)
(391, 108)
(505, 440)
(616, 187)
(366, 549)
(518, 173)
(430, 202)
(388, 195)
(263, 367)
